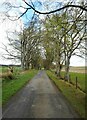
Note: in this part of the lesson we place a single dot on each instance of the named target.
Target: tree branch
(67, 6)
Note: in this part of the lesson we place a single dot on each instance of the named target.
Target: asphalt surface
(39, 99)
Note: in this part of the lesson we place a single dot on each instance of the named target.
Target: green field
(4, 69)
(0, 69)
(10, 87)
(74, 96)
(81, 77)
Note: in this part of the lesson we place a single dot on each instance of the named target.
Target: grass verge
(10, 87)
(75, 96)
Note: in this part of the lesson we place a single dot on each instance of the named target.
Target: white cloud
(77, 61)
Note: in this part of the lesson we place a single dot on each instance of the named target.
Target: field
(77, 69)
(80, 73)
(4, 70)
(75, 96)
(81, 79)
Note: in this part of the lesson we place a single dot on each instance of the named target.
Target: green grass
(80, 79)
(0, 69)
(3, 69)
(75, 96)
(10, 87)
(0, 91)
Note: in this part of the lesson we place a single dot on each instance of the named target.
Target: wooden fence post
(76, 83)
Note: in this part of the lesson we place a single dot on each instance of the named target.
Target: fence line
(76, 83)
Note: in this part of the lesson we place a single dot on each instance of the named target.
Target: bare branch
(67, 6)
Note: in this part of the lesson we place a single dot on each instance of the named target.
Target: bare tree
(13, 50)
(74, 38)
(31, 6)
(29, 44)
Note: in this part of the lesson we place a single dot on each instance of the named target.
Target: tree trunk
(22, 63)
(58, 69)
(22, 54)
(67, 69)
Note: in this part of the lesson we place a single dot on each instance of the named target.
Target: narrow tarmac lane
(39, 99)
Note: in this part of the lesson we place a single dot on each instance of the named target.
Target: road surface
(39, 99)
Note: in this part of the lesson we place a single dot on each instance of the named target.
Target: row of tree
(51, 42)
(64, 37)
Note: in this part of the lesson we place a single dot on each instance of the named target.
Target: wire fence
(76, 83)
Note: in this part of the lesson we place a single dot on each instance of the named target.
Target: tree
(49, 49)
(29, 45)
(66, 33)
(24, 46)
(63, 34)
(73, 38)
(13, 50)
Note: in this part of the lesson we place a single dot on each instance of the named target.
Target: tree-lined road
(39, 99)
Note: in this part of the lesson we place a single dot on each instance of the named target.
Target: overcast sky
(7, 25)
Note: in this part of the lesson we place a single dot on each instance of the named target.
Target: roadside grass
(0, 92)
(75, 96)
(80, 79)
(10, 87)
